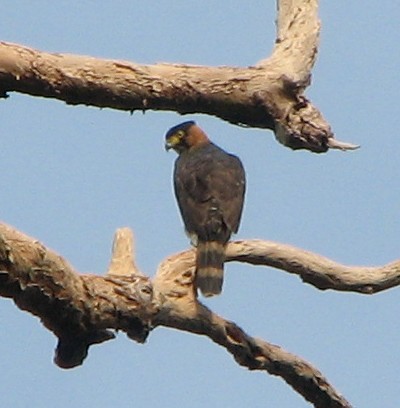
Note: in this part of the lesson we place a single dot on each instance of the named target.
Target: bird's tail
(210, 259)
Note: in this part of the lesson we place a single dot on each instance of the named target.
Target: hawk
(209, 186)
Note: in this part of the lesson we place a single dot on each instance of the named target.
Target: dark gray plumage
(209, 187)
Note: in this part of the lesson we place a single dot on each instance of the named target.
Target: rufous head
(185, 136)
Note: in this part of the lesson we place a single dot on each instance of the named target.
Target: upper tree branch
(268, 95)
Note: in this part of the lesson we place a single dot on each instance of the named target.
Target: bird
(209, 186)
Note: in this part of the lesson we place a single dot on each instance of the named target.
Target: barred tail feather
(210, 267)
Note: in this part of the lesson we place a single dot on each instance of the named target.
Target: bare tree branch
(268, 95)
(180, 309)
(315, 269)
(78, 309)
(81, 309)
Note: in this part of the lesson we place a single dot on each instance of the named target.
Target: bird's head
(185, 136)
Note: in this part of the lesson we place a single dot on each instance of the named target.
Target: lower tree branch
(182, 310)
(78, 309)
(315, 269)
(82, 310)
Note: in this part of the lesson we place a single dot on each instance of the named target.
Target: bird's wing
(210, 191)
(231, 187)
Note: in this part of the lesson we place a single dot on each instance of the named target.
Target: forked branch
(268, 95)
(87, 309)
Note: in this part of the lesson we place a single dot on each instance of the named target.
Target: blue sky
(71, 175)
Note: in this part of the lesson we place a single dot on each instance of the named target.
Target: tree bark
(82, 309)
(267, 95)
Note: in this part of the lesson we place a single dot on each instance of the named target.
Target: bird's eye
(180, 133)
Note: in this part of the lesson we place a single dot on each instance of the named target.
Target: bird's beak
(171, 142)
